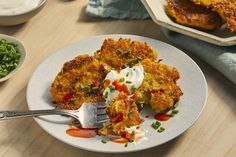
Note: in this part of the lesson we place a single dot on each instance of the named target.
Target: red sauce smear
(120, 140)
(162, 117)
(80, 132)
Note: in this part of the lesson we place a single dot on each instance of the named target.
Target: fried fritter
(187, 13)
(121, 53)
(80, 80)
(123, 114)
(159, 88)
(226, 9)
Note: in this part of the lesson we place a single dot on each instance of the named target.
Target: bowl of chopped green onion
(12, 56)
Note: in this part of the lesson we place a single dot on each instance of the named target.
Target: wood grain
(62, 22)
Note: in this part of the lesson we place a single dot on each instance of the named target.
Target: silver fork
(90, 115)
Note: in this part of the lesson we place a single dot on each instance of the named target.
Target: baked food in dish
(159, 88)
(123, 113)
(187, 13)
(226, 9)
(79, 81)
(122, 53)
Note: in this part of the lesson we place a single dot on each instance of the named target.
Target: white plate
(191, 104)
(156, 10)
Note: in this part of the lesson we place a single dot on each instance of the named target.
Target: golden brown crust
(187, 13)
(226, 9)
(123, 52)
(159, 88)
(123, 114)
(80, 80)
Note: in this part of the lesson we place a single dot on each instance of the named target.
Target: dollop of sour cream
(130, 78)
(140, 133)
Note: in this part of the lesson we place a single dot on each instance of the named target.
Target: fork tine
(102, 118)
(101, 111)
(104, 121)
(101, 104)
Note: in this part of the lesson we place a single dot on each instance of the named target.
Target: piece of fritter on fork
(79, 81)
(123, 114)
(159, 87)
(187, 13)
(121, 53)
(226, 9)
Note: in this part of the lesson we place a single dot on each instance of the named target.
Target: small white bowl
(18, 15)
(21, 50)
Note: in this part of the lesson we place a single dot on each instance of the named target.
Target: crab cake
(80, 80)
(187, 13)
(226, 9)
(122, 53)
(123, 114)
(159, 88)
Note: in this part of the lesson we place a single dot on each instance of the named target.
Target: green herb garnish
(128, 82)
(9, 57)
(156, 125)
(173, 113)
(73, 100)
(103, 141)
(112, 88)
(125, 53)
(106, 94)
(122, 79)
(132, 88)
(134, 61)
(161, 129)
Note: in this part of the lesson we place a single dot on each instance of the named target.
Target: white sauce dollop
(11, 7)
(132, 78)
(139, 133)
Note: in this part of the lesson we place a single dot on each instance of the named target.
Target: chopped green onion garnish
(9, 57)
(139, 59)
(156, 125)
(103, 141)
(128, 82)
(122, 79)
(112, 88)
(106, 94)
(127, 74)
(73, 100)
(132, 88)
(161, 129)
(175, 111)
(126, 144)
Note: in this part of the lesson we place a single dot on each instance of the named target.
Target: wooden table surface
(62, 22)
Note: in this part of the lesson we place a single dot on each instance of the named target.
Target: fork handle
(4, 115)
